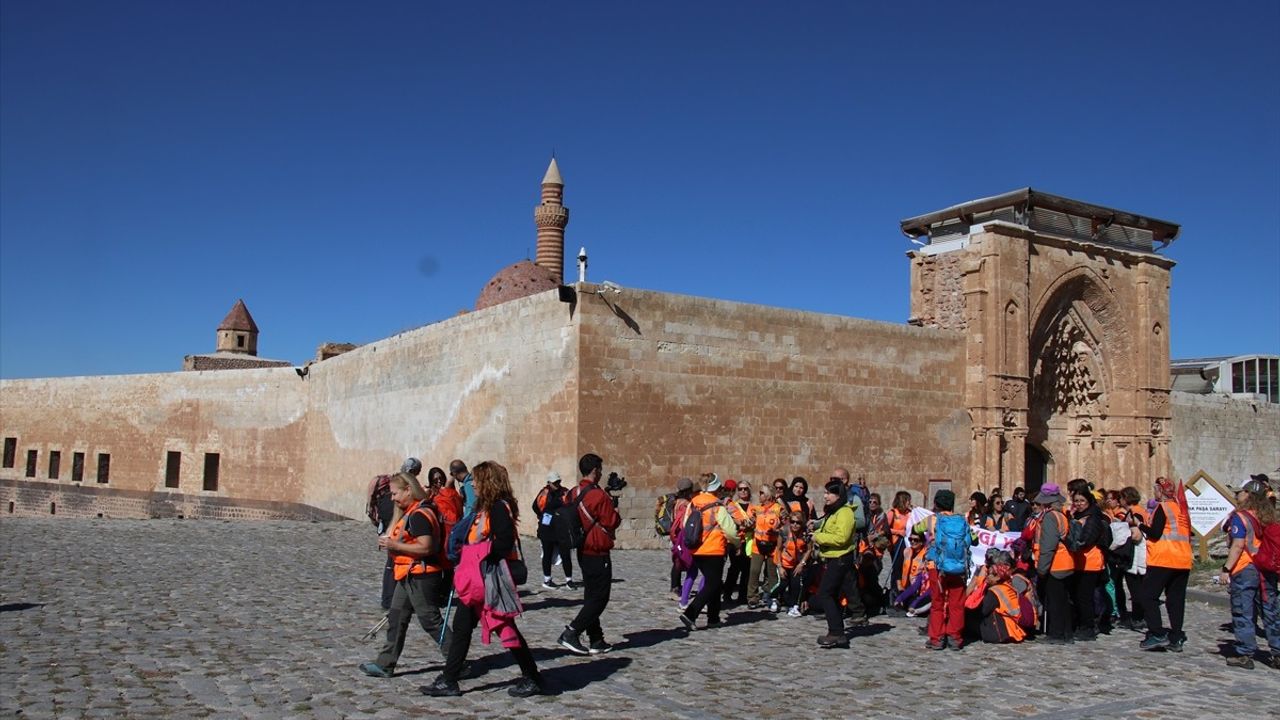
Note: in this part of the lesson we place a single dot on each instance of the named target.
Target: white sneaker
(773, 606)
(546, 583)
(794, 611)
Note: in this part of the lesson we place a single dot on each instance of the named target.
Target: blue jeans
(1246, 600)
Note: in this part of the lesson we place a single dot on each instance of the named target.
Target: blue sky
(353, 170)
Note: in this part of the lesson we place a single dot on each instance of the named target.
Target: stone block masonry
(1229, 438)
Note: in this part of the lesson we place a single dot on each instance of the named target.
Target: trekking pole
(381, 624)
(448, 606)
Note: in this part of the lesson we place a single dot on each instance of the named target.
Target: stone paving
(219, 619)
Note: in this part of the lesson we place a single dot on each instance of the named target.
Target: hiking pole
(448, 606)
(381, 624)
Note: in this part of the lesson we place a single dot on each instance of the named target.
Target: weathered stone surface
(272, 613)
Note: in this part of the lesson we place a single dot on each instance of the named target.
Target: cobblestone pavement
(174, 618)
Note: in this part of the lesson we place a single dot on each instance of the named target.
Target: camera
(615, 483)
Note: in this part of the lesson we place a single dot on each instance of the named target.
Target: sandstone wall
(674, 385)
(1229, 439)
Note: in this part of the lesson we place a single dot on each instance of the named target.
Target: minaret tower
(238, 333)
(551, 217)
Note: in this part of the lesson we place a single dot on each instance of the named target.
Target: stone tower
(1065, 309)
(551, 217)
(238, 333)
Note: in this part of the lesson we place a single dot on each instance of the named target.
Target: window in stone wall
(211, 471)
(239, 341)
(77, 467)
(172, 468)
(55, 464)
(31, 463)
(10, 451)
(104, 467)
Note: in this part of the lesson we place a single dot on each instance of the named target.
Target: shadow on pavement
(571, 678)
(11, 607)
(552, 602)
(649, 638)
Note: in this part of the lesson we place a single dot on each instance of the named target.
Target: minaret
(551, 217)
(237, 332)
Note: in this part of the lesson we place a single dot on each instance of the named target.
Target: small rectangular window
(1237, 377)
(172, 468)
(211, 471)
(10, 451)
(31, 463)
(104, 467)
(239, 341)
(77, 467)
(55, 463)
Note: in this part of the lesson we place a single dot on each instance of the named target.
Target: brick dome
(517, 281)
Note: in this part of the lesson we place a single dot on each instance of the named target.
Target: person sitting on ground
(1001, 609)
(913, 585)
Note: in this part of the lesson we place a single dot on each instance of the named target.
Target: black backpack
(566, 522)
(692, 532)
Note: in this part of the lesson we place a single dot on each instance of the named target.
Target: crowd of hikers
(1060, 567)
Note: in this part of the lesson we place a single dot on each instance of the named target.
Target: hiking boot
(546, 583)
(375, 670)
(599, 647)
(527, 687)
(955, 644)
(689, 624)
(935, 645)
(833, 641)
(1154, 642)
(1241, 661)
(1175, 645)
(570, 641)
(853, 622)
(794, 611)
(441, 688)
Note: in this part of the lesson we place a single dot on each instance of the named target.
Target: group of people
(1073, 564)
(453, 545)
(1079, 562)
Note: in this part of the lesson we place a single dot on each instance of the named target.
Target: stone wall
(1228, 438)
(674, 385)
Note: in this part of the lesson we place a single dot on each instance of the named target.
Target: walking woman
(1168, 535)
(1253, 590)
(495, 520)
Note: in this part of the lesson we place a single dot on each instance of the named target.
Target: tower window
(10, 451)
(104, 467)
(77, 467)
(55, 464)
(239, 341)
(31, 463)
(172, 467)
(211, 471)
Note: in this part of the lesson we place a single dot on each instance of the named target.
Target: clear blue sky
(353, 170)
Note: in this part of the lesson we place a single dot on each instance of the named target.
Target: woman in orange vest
(719, 533)
(792, 557)
(496, 516)
(1168, 536)
(1089, 531)
(1053, 562)
(1000, 610)
(767, 519)
(1251, 589)
(415, 545)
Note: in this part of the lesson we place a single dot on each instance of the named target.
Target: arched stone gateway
(1063, 306)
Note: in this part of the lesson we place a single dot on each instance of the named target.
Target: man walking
(599, 521)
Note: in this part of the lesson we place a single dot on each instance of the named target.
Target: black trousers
(1117, 584)
(712, 568)
(736, 579)
(1134, 585)
(1173, 583)
(551, 547)
(1083, 584)
(388, 584)
(837, 577)
(1057, 607)
(597, 581)
(464, 622)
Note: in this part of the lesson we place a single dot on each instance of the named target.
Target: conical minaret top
(551, 217)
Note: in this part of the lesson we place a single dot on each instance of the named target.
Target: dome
(517, 281)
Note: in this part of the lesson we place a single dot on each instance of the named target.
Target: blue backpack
(458, 537)
(951, 542)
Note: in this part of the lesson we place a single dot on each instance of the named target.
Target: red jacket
(596, 504)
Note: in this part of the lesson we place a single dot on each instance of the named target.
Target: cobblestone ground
(118, 618)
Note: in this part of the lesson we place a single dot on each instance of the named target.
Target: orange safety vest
(1062, 560)
(898, 525)
(768, 518)
(1008, 611)
(790, 552)
(1251, 541)
(403, 565)
(713, 540)
(479, 532)
(912, 566)
(1173, 549)
(1137, 512)
(1088, 560)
